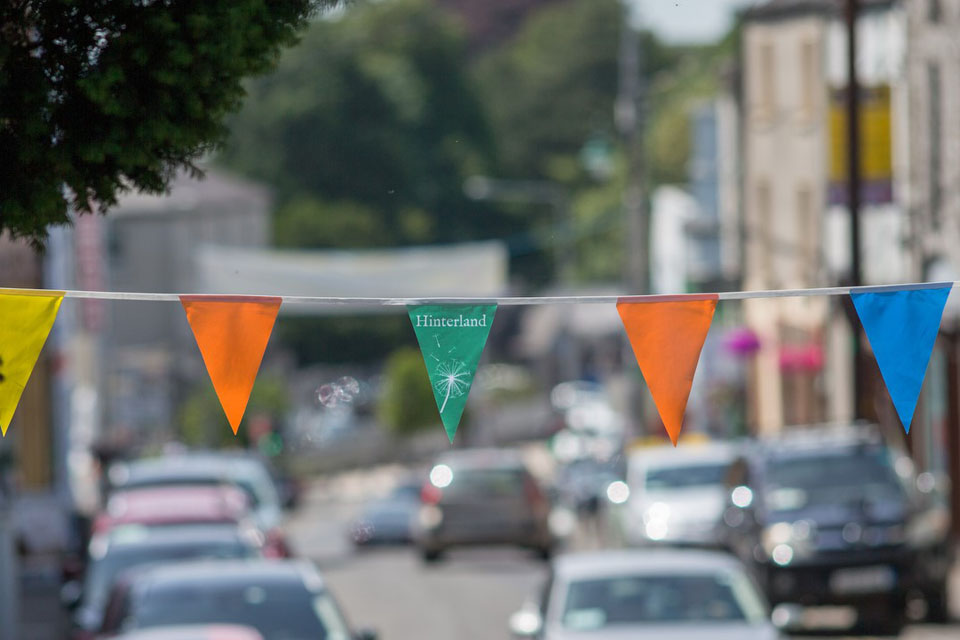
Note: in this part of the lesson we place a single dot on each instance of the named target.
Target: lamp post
(853, 183)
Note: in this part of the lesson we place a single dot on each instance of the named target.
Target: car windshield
(627, 600)
(253, 481)
(278, 612)
(795, 482)
(486, 482)
(685, 477)
(102, 572)
(405, 493)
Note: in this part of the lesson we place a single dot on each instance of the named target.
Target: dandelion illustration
(453, 380)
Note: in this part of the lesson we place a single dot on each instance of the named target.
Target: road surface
(468, 597)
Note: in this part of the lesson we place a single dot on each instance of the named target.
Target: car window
(714, 598)
(251, 478)
(278, 612)
(405, 492)
(486, 482)
(795, 482)
(685, 477)
(102, 572)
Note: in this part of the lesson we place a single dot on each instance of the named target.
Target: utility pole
(628, 115)
(853, 183)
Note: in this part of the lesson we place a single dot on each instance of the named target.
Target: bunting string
(511, 300)
(666, 332)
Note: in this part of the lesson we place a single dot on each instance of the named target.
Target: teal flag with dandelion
(451, 340)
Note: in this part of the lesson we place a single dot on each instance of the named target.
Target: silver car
(674, 496)
(646, 594)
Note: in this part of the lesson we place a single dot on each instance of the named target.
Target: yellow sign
(876, 148)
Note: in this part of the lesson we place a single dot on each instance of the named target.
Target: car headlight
(618, 492)
(783, 542)
(655, 521)
(657, 512)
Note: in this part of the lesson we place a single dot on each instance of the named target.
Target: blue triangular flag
(902, 324)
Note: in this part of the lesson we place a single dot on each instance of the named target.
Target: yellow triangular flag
(25, 321)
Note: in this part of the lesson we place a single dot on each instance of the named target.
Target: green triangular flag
(451, 340)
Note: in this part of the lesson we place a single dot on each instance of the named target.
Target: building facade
(152, 243)
(933, 62)
(796, 220)
(933, 73)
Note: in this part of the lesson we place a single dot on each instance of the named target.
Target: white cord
(504, 301)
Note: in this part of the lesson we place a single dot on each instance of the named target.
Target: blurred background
(523, 147)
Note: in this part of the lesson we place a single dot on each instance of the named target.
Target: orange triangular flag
(667, 336)
(232, 333)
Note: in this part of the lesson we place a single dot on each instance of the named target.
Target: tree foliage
(100, 96)
(370, 125)
(407, 404)
(552, 86)
(203, 423)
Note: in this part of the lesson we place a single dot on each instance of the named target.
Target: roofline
(775, 11)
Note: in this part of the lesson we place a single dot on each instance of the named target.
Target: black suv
(835, 517)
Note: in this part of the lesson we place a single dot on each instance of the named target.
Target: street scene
(479, 320)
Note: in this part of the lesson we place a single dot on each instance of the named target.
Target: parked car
(162, 506)
(482, 497)
(835, 517)
(388, 520)
(245, 472)
(650, 593)
(676, 496)
(130, 546)
(280, 599)
(195, 632)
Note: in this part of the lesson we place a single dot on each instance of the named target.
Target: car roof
(826, 439)
(195, 632)
(600, 564)
(483, 459)
(668, 456)
(185, 465)
(211, 574)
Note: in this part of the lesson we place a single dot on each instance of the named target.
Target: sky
(689, 21)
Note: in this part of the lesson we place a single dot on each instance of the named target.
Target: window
(768, 79)
(808, 80)
(807, 230)
(935, 159)
(761, 232)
